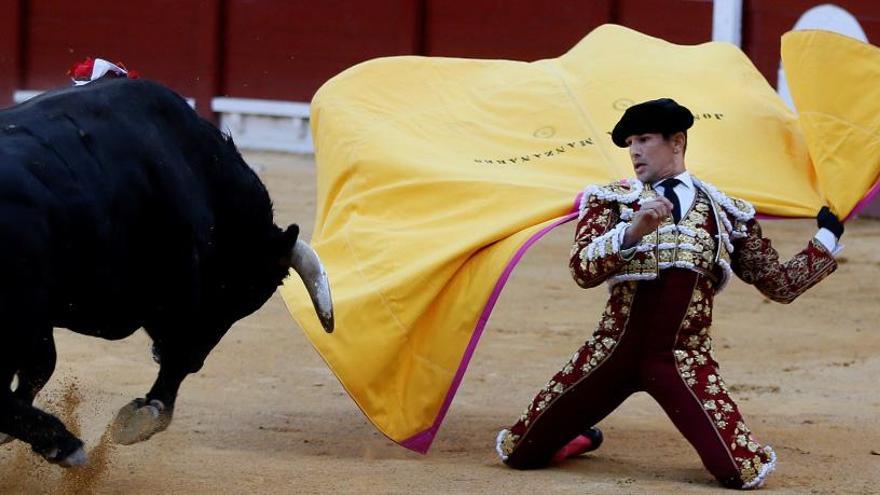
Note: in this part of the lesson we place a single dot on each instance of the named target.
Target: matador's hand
(827, 220)
(646, 220)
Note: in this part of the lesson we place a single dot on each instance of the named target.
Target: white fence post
(727, 21)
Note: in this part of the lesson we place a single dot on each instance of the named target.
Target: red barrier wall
(536, 30)
(170, 41)
(686, 22)
(286, 50)
(511, 30)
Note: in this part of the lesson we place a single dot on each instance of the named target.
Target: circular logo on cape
(622, 104)
(548, 131)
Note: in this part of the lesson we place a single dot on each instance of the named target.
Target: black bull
(121, 208)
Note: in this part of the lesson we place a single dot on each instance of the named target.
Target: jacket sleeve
(756, 262)
(596, 253)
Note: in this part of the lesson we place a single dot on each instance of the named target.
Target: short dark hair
(668, 135)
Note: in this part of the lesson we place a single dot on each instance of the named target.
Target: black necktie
(669, 193)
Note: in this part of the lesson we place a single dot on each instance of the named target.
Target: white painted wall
(266, 124)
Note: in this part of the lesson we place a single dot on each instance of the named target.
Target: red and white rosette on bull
(90, 69)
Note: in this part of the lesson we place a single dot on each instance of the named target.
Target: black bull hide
(121, 208)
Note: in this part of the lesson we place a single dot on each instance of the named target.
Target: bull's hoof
(67, 452)
(4, 438)
(139, 420)
(76, 459)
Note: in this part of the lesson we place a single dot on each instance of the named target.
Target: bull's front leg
(33, 360)
(44, 432)
(177, 357)
(32, 375)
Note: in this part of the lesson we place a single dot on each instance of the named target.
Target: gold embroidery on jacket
(689, 245)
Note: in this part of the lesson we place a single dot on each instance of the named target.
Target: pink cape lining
(872, 193)
(421, 442)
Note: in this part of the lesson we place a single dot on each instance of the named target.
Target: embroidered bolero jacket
(717, 236)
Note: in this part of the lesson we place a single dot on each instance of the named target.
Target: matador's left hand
(827, 220)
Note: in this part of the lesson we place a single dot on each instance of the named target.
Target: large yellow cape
(435, 174)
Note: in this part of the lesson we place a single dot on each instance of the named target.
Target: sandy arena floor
(266, 416)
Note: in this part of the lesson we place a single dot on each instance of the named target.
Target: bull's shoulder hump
(103, 96)
(144, 93)
(129, 86)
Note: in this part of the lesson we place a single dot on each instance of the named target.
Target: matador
(666, 243)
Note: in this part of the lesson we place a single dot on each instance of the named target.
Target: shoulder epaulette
(740, 209)
(624, 191)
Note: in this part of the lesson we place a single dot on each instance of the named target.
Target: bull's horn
(305, 261)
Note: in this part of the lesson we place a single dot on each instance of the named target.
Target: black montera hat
(664, 116)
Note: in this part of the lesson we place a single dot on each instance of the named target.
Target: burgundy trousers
(663, 349)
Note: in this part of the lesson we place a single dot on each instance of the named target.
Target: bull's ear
(290, 236)
(283, 245)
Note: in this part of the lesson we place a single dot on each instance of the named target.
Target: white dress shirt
(685, 190)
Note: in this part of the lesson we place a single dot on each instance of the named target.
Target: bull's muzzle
(305, 261)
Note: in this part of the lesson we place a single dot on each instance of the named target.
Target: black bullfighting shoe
(588, 441)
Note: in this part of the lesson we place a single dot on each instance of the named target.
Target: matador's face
(655, 157)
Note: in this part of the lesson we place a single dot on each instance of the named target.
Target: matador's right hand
(646, 220)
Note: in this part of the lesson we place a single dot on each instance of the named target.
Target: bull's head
(308, 266)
